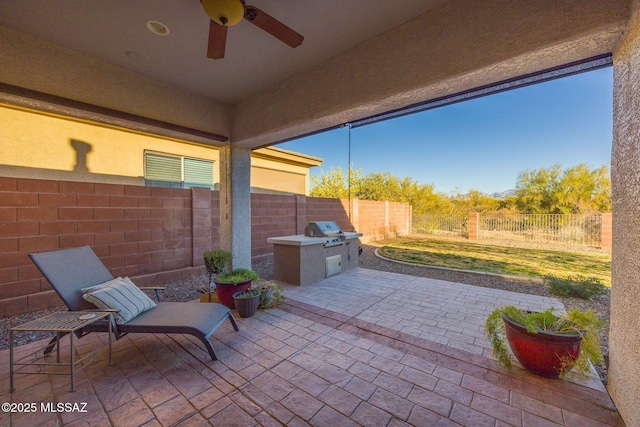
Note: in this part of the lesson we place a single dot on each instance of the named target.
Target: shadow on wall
(80, 170)
(82, 150)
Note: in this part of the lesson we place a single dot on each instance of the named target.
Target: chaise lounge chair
(72, 271)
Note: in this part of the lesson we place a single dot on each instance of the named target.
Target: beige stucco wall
(34, 145)
(281, 170)
(44, 146)
(460, 45)
(624, 345)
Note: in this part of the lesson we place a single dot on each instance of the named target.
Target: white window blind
(198, 173)
(161, 170)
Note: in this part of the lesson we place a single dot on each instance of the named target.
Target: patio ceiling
(358, 58)
(115, 32)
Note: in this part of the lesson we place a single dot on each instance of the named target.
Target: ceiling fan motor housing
(224, 12)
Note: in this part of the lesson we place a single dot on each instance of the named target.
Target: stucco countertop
(302, 240)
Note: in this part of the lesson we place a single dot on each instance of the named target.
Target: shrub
(236, 276)
(271, 295)
(215, 261)
(584, 287)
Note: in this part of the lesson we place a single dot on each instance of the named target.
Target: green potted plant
(215, 261)
(238, 279)
(545, 343)
(246, 302)
(270, 295)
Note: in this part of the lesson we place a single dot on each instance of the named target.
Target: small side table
(62, 323)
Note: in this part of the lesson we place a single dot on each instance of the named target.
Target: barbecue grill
(322, 251)
(332, 234)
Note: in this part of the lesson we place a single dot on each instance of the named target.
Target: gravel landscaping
(186, 290)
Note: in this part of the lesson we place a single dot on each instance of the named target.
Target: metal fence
(443, 224)
(576, 229)
(579, 229)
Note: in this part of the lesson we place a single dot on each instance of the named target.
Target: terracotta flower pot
(542, 353)
(225, 291)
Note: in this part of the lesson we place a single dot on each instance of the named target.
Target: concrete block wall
(321, 209)
(373, 220)
(154, 235)
(271, 216)
(136, 231)
(399, 219)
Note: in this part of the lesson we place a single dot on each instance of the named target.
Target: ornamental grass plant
(575, 322)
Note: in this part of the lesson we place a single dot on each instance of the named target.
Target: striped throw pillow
(121, 294)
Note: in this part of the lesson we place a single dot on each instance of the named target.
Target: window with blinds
(197, 173)
(164, 170)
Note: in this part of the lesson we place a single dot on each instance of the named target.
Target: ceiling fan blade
(272, 26)
(217, 41)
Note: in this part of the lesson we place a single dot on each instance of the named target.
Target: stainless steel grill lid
(323, 229)
(332, 234)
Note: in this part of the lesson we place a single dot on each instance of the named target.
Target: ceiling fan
(225, 13)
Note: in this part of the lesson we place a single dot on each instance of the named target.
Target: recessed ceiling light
(157, 28)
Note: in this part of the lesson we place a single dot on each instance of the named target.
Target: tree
(423, 198)
(380, 186)
(474, 201)
(576, 190)
(332, 184)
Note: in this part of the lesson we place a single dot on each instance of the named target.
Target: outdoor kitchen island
(307, 258)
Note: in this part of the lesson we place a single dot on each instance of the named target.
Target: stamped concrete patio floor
(361, 348)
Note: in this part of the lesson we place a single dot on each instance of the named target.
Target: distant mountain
(503, 194)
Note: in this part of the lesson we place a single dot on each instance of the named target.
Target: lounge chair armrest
(156, 289)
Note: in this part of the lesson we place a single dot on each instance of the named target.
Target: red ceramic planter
(225, 292)
(542, 353)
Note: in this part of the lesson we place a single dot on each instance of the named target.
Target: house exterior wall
(35, 145)
(156, 235)
(277, 170)
(43, 146)
(624, 341)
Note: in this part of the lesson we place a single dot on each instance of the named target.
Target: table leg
(110, 319)
(73, 362)
(11, 385)
(58, 337)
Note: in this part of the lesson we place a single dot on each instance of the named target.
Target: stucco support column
(235, 204)
(624, 340)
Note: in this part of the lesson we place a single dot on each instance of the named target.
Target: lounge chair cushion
(120, 294)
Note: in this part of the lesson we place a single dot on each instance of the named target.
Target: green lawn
(499, 259)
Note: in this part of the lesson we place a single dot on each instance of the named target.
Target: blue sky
(482, 144)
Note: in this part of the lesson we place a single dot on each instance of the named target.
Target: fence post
(606, 231)
(201, 213)
(473, 226)
(301, 213)
(355, 214)
(386, 220)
